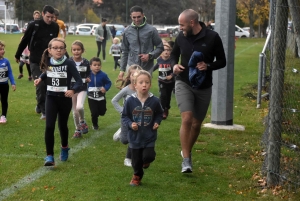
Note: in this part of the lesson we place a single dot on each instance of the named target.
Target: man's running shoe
(84, 128)
(64, 154)
(49, 161)
(116, 136)
(95, 127)
(186, 166)
(43, 116)
(20, 76)
(77, 134)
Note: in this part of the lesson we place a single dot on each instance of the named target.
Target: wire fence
(281, 139)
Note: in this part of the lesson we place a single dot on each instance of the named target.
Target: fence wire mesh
(281, 139)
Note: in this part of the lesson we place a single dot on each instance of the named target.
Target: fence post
(259, 83)
(276, 96)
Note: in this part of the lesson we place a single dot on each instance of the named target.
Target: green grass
(224, 161)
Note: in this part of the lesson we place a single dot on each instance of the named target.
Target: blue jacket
(99, 80)
(145, 116)
(6, 72)
(196, 76)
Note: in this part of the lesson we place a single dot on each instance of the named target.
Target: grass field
(224, 162)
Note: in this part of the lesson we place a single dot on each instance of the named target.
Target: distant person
(193, 102)
(83, 67)
(166, 80)
(98, 85)
(37, 36)
(115, 51)
(208, 25)
(24, 59)
(5, 75)
(113, 31)
(142, 114)
(62, 28)
(58, 72)
(141, 43)
(36, 15)
(102, 34)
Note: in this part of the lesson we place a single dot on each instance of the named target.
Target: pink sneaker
(3, 120)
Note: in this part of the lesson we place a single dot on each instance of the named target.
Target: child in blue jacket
(98, 85)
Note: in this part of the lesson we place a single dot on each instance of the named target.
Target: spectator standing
(37, 36)
(113, 31)
(141, 43)
(102, 34)
(62, 28)
(193, 102)
(24, 59)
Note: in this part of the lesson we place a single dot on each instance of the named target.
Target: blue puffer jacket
(196, 76)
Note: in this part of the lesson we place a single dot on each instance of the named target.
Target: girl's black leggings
(57, 108)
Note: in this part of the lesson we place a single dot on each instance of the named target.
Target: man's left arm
(157, 42)
(220, 61)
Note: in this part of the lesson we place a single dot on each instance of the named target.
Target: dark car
(163, 33)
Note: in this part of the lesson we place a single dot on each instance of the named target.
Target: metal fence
(280, 80)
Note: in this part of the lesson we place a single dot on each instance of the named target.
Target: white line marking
(44, 170)
(245, 49)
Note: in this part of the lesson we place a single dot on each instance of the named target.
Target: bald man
(193, 102)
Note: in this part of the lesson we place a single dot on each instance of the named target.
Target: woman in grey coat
(102, 34)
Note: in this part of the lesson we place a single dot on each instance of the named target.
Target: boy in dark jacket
(142, 114)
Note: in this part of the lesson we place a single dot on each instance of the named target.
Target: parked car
(239, 32)
(248, 29)
(71, 30)
(163, 33)
(10, 28)
(120, 28)
(93, 26)
(83, 30)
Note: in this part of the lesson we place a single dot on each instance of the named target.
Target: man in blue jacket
(139, 42)
(193, 102)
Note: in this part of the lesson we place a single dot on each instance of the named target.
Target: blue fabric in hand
(196, 77)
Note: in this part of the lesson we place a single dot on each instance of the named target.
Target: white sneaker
(117, 134)
(3, 119)
(43, 116)
(127, 162)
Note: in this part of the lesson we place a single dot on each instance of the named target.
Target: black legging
(21, 64)
(4, 89)
(57, 107)
(103, 44)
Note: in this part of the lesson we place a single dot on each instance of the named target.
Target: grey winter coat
(143, 39)
(99, 33)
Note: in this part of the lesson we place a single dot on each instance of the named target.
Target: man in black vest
(37, 36)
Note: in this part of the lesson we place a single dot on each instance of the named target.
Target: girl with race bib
(98, 85)
(83, 67)
(5, 74)
(58, 72)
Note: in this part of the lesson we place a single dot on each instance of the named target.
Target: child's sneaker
(49, 161)
(116, 136)
(127, 162)
(64, 154)
(77, 134)
(3, 120)
(135, 181)
(95, 127)
(20, 76)
(84, 128)
(43, 116)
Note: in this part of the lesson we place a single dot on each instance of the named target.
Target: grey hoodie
(140, 40)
